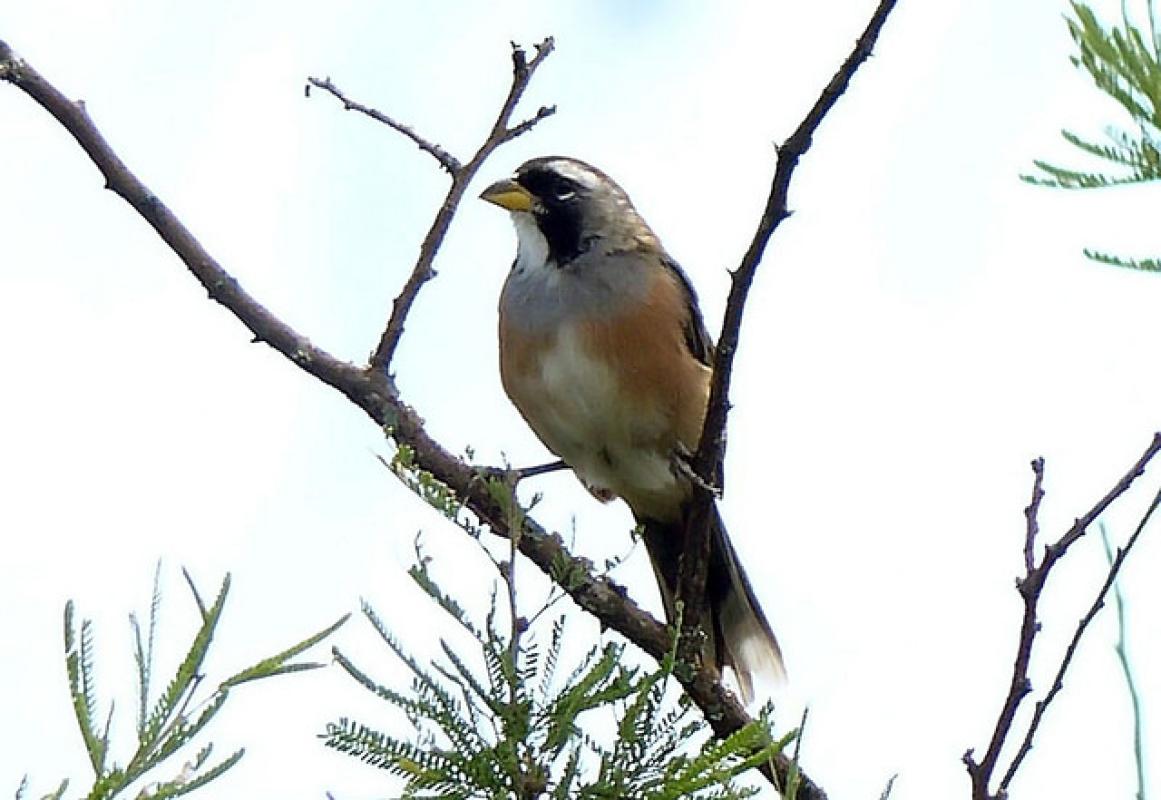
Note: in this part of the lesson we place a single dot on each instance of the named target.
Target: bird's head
(572, 206)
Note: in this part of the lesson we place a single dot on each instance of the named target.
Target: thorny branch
(1031, 588)
(709, 459)
(712, 444)
(373, 390)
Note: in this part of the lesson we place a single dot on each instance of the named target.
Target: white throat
(531, 246)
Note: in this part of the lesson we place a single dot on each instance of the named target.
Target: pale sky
(922, 327)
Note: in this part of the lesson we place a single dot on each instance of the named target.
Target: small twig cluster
(1031, 588)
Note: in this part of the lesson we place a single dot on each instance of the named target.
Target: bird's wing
(697, 338)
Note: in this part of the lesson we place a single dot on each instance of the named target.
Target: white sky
(923, 326)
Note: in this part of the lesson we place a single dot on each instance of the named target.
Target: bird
(605, 354)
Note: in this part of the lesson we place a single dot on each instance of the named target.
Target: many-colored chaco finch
(604, 352)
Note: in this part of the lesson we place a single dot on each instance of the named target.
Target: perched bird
(604, 352)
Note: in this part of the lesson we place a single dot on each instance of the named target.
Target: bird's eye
(563, 192)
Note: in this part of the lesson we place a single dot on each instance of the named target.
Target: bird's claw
(513, 476)
(682, 464)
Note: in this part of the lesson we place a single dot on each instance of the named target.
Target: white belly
(608, 440)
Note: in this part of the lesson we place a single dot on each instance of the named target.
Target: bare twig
(1031, 587)
(1032, 515)
(1020, 685)
(450, 163)
(544, 112)
(708, 461)
(373, 391)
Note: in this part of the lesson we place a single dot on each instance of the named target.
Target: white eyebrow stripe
(575, 172)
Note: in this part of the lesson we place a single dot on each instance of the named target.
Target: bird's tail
(740, 635)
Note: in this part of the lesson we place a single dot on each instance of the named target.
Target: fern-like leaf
(143, 650)
(276, 664)
(79, 666)
(421, 577)
(188, 672)
(1126, 66)
(1143, 264)
(198, 781)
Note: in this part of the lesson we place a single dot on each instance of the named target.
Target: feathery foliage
(1125, 63)
(494, 722)
(167, 721)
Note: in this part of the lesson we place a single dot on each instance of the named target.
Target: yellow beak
(508, 194)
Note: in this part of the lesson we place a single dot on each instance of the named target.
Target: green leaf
(184, 784)
(1126, 66)
(188, 675)
(276, 664)
(79, 666)
(497, 731)
(196, 594)
(143, 651)
(1144, 264)
(424, 580)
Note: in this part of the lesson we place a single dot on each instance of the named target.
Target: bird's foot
(513, 476)
(682, 465)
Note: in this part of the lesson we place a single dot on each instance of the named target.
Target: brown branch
(708, 462)
(1020, 685)
(422, 272)
(373, 391)
(1031, 588)
(523, 127)
(450, 163)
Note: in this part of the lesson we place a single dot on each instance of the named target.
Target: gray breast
(596, 285)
